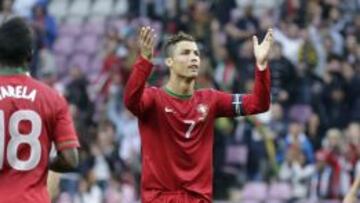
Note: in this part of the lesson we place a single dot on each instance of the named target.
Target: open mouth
(194, 67)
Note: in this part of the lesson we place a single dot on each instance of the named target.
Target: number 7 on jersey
(191, 127)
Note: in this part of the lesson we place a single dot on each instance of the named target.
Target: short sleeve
(228, 105)
(64, 131)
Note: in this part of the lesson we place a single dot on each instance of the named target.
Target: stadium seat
(120, 8)
(255, 191)
(87, 44)
(94, 28)
(250, 201)
(75, 19)
(70, 29)
(58, 8)
(64, 45)
(279, 191)
(236, 154)
(61, 65)
(81, 61)
(102, 8)
(80, 8)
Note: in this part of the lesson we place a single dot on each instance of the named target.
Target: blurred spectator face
(351, 43)
(293, 30)
(39, 11)
(248, 10)
(334, 66)
(353, 133)
(266, 22)
(7, 5)
(337, 95)
(328, 43)
(357, 21)
(276, 111)
(75, 73)
(320, 159)
(246, 49)
(185, 60)
(201, 12)
(111, 45)
(334, 14)
(295, 129)
(333, 138)
(221, 53)
(276, 51)
(348, 71)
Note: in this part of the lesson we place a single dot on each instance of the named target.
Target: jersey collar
(180, 96)
(13, 70)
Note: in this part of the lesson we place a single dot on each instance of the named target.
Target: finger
(269, 35)
(255, 41)
(142, 34)
(150, 37)
(147, 35)
(152, 41)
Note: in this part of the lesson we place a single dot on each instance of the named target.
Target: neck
(181, 86)
(11, 70)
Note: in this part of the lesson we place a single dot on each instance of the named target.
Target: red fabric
(177, 134)
(177, 197)
(333, 161)
(47, 117)
(112, 65)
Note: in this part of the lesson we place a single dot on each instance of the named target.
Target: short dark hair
(16, 42)
(173, 40)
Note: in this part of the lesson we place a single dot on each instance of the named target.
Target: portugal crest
(203, 110)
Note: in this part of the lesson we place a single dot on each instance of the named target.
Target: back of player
(32, 117)
(30, 120)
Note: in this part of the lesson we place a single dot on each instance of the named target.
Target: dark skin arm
(66, 160)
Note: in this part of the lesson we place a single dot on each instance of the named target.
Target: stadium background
(306, 149)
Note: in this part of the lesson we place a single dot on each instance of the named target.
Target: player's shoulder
(152, 89)
(44, 89)
(206, 91)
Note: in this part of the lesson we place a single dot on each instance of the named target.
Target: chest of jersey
(186, 118)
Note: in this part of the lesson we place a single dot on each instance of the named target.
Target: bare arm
(66, 160)
(351, 196)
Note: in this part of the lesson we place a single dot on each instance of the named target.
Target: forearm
(66, 160)
(259, 100)
(61, 165)
(136, 84)
(355, 186)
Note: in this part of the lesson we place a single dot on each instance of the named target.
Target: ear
(169, 62)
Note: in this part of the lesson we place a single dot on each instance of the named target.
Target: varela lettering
(18, 92)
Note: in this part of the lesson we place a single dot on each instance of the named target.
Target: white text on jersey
(18, 92)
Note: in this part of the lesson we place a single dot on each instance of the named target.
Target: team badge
(203, 111)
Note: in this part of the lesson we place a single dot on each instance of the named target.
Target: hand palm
(262, 50)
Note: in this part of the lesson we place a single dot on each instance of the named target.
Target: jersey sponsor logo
(17, 92)
(169, 110)
(203, 110)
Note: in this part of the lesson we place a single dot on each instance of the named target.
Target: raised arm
(257, 101)
(135, 99)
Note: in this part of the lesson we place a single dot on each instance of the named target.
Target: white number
(192, 126)
(17, 138)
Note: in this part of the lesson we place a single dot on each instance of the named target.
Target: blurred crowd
(310, 139)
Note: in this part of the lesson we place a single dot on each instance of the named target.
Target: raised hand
(147, 42)
(262, 50)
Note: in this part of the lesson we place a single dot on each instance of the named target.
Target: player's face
(185, 60)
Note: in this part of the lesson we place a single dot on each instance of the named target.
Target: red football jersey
(177, 134)
(32, 116)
